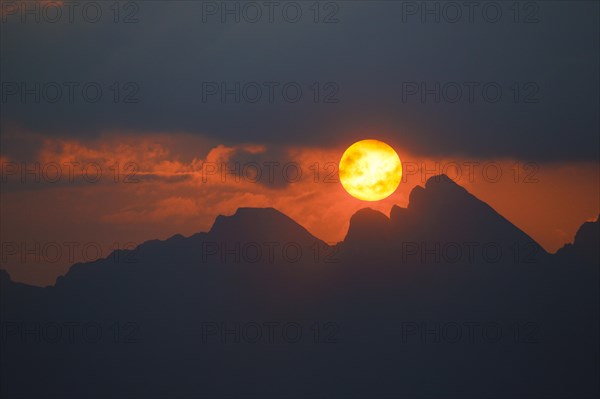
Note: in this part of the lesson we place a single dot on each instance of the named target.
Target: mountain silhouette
(259, 307)
(445, 210)
(260, 225)
(369, 228)
(585, 246)
(443, 215)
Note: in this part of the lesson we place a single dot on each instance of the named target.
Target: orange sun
(370, 170)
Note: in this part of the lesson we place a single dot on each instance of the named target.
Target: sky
(158, 95)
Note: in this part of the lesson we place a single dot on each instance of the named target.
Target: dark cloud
(271, 167)
(363, 68)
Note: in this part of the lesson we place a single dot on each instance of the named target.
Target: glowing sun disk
(370, 170)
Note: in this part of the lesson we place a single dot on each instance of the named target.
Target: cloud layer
(522, 85)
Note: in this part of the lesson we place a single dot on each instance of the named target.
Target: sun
(370, 170)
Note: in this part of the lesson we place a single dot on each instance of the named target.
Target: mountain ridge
(442, 211)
